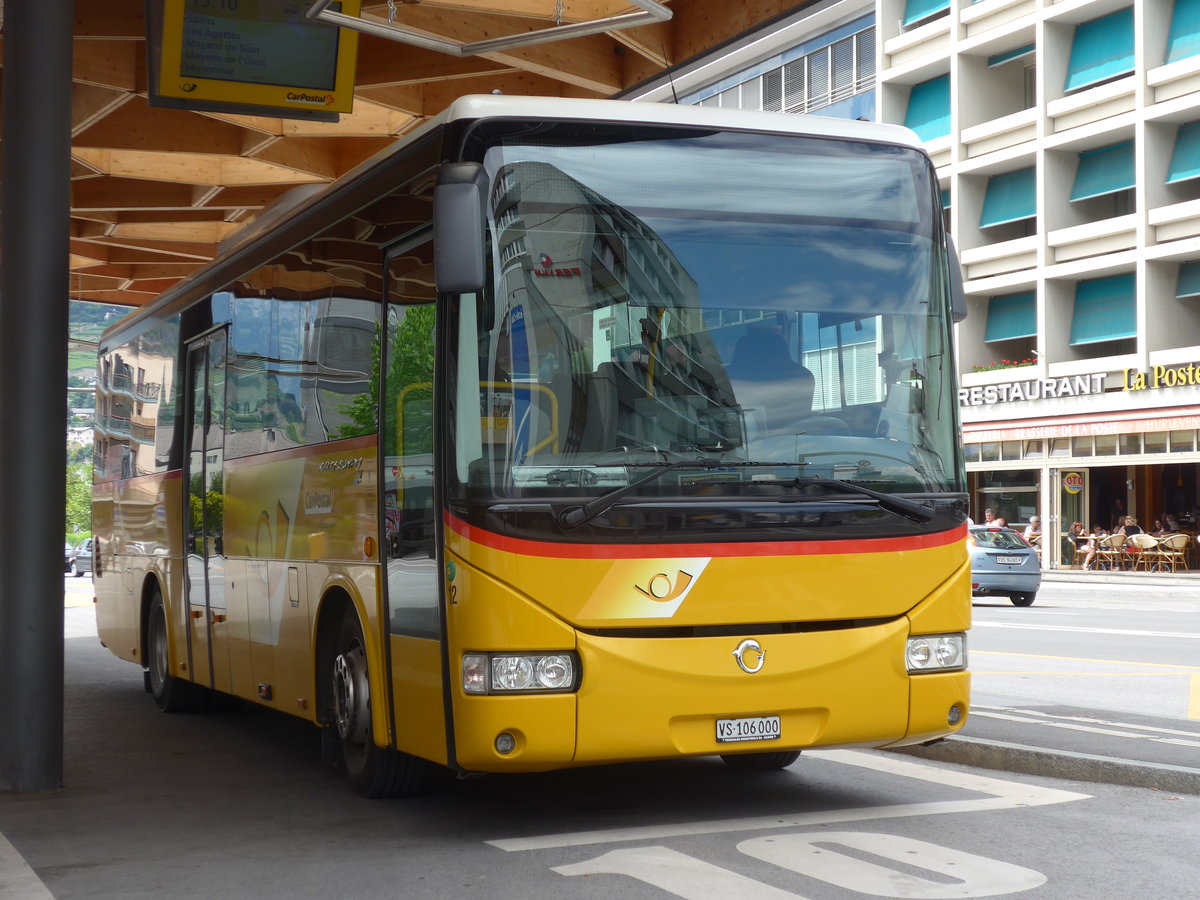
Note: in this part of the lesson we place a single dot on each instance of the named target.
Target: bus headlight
(936, 653)
(512, 673)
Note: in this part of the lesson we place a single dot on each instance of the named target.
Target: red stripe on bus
(527, 547)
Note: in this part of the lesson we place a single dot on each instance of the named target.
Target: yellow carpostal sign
(257, 52)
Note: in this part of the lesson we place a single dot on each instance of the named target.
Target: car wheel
(1024, 599)
(761, 762)
(373, 771)
(170, 694)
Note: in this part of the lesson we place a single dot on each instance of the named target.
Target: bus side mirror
(459, 224)
(958, 295)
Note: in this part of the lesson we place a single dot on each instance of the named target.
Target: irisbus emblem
(750, 656)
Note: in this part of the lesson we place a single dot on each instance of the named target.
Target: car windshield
(769, 302)
(998, 539)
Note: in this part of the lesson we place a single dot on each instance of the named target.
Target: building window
(1011, 316)
(929, 108)
(1010, 197)
(919, 11)
(1183, 40)
(1104, 310)
(1101, 50)
(1105, 170)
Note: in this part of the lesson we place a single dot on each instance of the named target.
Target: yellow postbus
(560, 433)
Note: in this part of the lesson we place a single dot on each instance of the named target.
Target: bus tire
(760, 762)
(1023, 599)
(170, 694)
(373, 771)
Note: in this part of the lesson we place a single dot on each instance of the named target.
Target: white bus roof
(488, 106)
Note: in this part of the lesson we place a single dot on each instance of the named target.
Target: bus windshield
(754, 309)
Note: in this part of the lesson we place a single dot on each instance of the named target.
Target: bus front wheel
(373, 771)
(170, 694)
(761, 762)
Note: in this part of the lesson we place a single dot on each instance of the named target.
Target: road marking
(1194, 701)
(1087, 720)
(1091, 729)
(678, 874)
(1083, 659)
(17, 879)
(960, 874)
(1000, 795)
(1030, 626)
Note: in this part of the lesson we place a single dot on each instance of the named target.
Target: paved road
(237, 805)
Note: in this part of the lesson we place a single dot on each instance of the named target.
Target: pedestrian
(988, 516)
(1118, 513)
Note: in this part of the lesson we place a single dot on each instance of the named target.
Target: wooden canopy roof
(154, 190)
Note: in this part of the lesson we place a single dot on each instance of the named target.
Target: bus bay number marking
(817, 856)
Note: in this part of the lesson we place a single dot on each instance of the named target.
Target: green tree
(79, 498)
(411, 364)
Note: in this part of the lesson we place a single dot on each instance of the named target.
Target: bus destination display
(260, 52)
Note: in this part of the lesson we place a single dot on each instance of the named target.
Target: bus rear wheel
(170, 694)
(373, 771)
(761, 762)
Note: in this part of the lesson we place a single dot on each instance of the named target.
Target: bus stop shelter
(105, 197)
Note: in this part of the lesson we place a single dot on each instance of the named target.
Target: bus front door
(204, 514)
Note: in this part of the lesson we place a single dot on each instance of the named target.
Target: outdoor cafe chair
(1172, 551)
(1110, 552)
(1142, 550)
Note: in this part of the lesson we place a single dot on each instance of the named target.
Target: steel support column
(35, 193)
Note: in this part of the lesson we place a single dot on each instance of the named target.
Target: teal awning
(1185, 158)
(1105, 310)
(1011, 316)
(1183, 40)
(1000, 59)
(1188, 284)
(929, 108)
(1104, 171)
(1102, 49)
(1010, 197)
(916, 10)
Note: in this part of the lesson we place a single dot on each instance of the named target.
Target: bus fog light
(936, 653)
(505, 743)
(954, 716)
(474, 673)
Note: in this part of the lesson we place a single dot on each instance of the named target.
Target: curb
(17, 880)
(1064, 764)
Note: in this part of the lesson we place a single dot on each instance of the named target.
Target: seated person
(766, 378)
(1033, 528)
(1129, 527)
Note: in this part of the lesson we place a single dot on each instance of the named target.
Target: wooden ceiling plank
(700, 25)
(367, 120)
(134, 250)
(110, 64)
(112, 19)
(384, 63)
(138, 126)
(586, 61)
(246, 196)
(314, 156)
(573, 10)
(90, 104)
(125, 193)
(179, 232)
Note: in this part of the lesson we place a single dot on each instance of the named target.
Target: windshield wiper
(577, 515)
(902, 506)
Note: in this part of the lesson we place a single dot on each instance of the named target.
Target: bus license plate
(1010, 560)
(758, 728)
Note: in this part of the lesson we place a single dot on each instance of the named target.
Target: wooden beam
(127, 193)
(180, 232)
(191, 168)
(700, 25)
(90, 104)
(384, 63)
(121, 19)
(248, 197)
(588, 62)
(136, 251)
(367, 120)
(111, 64)
(138, 126)
(542, 10)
